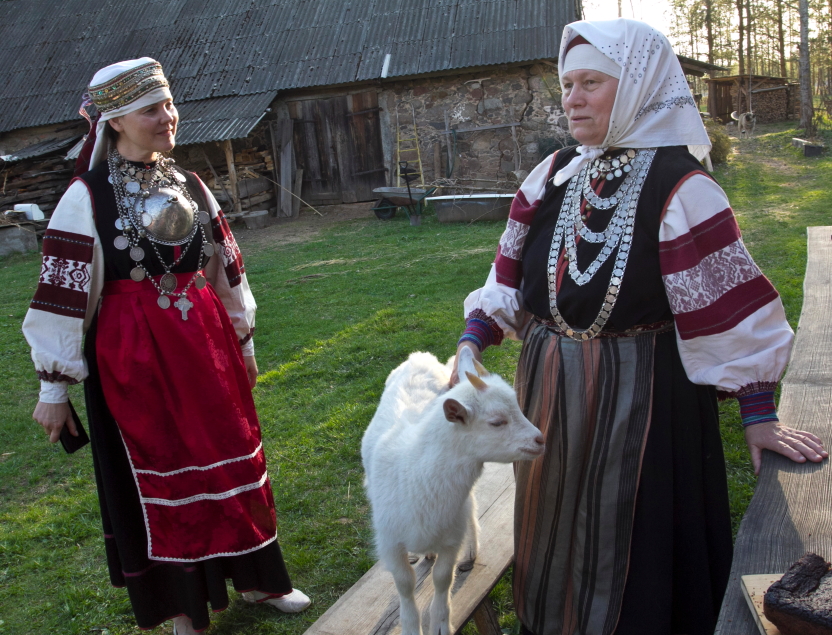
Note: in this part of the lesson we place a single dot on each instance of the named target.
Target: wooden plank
(486, 619)
(283, 143)
(791, 511)
(297, 191)
(371, 606)
(754, 588)
(232, 175)
(812, 355)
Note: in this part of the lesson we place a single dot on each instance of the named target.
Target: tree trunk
(709, 28)
(742, 33)
(781, 38)
(806, 106)
(749, 56)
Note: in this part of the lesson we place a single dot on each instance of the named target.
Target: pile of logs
(40, 181)
(255, 191)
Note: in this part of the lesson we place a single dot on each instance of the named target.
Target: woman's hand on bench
(794, 444)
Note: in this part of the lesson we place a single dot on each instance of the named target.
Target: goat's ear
(480, 369)
(476, 382)
(456, 412)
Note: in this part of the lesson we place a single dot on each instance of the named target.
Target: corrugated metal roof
(221, 118)
(38, 149)
(228, 48)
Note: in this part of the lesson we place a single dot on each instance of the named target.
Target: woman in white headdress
(139, 257)
(623, 271)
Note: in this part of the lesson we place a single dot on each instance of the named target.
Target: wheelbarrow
(410, 199)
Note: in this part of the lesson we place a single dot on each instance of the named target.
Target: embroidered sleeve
(730, 323)
(68, 288)
(227, 274)
(496, 310)
(523, 208)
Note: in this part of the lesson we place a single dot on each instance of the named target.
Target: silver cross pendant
(184, 305)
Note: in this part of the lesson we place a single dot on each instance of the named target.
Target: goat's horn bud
(476, 382)
(481, 369)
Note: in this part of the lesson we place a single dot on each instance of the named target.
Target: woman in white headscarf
(139, 257)
(623, 271)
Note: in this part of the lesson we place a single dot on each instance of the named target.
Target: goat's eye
(497, 424)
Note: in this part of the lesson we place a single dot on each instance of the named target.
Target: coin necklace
(617, 236)
(610, 168)
(153, 204)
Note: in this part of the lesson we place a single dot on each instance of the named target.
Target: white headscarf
(106, 75)
(653, 106)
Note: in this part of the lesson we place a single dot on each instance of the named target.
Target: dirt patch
(306, 227)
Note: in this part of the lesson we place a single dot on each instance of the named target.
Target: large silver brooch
(167, 215)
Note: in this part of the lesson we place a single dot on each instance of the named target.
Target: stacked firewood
(250, 165)
(40, 181)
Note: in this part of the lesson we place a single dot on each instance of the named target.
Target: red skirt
(179, 392)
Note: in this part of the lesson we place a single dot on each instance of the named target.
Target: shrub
(720, 142)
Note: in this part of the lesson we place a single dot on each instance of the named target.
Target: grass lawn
(336, 313)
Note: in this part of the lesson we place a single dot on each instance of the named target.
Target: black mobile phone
(71, 443)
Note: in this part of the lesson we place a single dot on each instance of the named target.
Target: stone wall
(492, 158)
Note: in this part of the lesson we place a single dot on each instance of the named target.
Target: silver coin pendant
(208, 249)
(119, 224)
(168, 282)
(121, 242)
(179, 177)
(137, 253)
(163, 301)
(200, 282)
(204, 218)
(137, 273)
(132, 187)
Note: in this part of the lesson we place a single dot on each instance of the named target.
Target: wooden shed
(770, 98)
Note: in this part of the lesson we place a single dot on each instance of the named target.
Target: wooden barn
(770, 98)
(323, 97)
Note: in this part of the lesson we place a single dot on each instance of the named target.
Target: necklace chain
(617, 236)
(133, 186)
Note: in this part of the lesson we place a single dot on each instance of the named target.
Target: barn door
(338, 145)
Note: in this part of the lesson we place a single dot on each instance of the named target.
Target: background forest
(759, 37)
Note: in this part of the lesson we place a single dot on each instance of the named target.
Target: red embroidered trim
(701, 241)
(232, 259)
(728, 311)
(66, 273)
(55, 377)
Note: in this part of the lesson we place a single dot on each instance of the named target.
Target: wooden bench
(371, 606)
(791, 511)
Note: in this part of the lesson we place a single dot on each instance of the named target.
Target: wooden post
(216, 177)
(298, 189)
(437, 161)
(281, 132)
(232, 176)
(485, 618)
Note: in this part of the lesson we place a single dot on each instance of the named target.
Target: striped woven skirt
(623, 526)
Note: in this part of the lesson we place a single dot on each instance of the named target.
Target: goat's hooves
(465, 565)
(430, 556)
(413, 558)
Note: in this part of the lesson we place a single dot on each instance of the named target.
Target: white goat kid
(422, 452)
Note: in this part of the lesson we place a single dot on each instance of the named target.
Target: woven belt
(638, 329)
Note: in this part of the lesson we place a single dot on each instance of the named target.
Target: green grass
(336, 314)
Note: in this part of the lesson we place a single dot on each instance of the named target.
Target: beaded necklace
(617, 236)
(152, 203)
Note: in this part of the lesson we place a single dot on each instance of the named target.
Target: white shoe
(293, 602)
